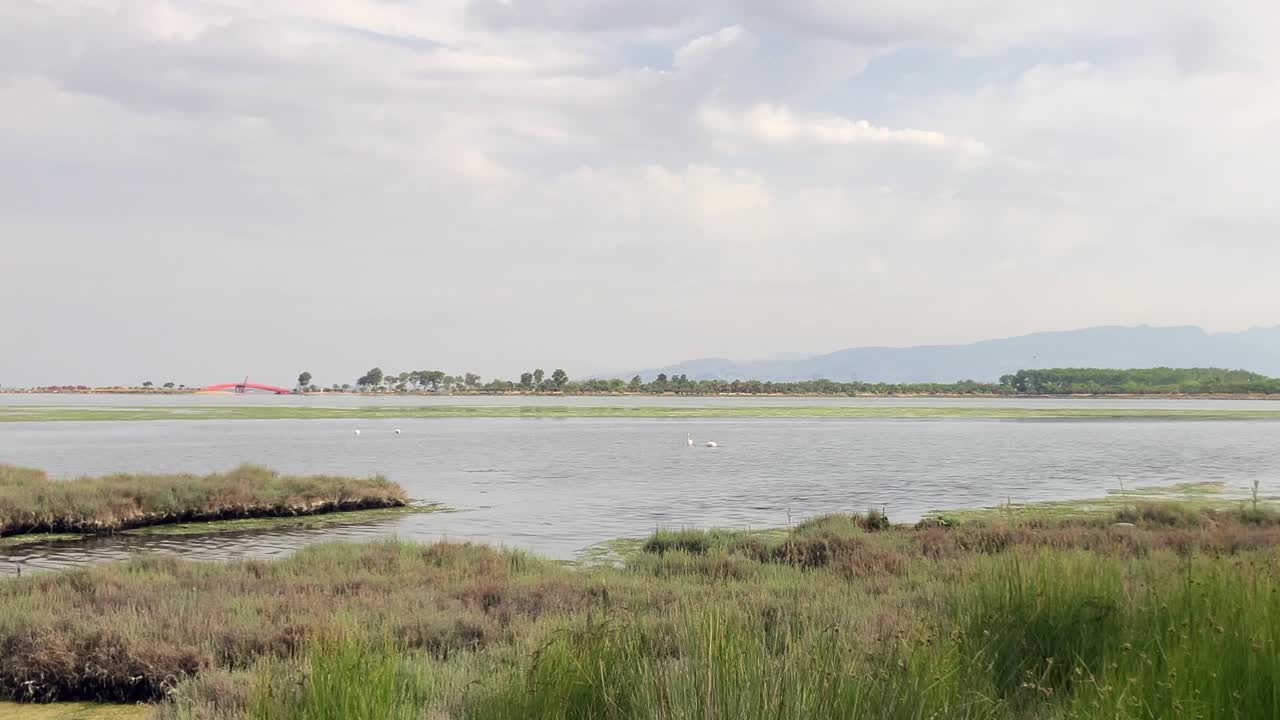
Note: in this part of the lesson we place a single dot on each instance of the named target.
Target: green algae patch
(283, 523)
(13, 541)
(1195, 496)
(608, 553)
(267, 412)
(617, 552)
(72, 711)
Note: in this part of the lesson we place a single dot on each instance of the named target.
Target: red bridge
(246, 385)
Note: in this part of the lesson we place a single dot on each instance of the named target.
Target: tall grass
(1204, 644)
(1037, 624)
(1091, 637)
(722, 663)
(340, 679)
(32, 502)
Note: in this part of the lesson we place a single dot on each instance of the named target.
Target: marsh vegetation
(1175, 614)
(33, 503)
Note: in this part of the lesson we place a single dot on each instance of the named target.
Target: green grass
(342, 678)
(32, 504)
(285, 412)
(1090, 637)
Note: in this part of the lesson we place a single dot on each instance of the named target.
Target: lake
(556, 486)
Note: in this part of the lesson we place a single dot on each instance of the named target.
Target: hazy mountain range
(1257, 349)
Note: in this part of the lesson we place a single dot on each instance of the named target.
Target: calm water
(341, 400)
(557, 486)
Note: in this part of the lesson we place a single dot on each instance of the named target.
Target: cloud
(701, 49)
(585, 183)
(775, 124)
(581, 15)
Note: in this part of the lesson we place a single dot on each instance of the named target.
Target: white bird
(689, 438)
(712, 443)
(397, 431)
(357, 432)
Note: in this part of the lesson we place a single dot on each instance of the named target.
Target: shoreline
(198, 523)
(257, 524)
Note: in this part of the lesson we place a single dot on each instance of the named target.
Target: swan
(689, 438)
(712, 443)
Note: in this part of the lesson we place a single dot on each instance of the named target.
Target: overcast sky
(196, 190)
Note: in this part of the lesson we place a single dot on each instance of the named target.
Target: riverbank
(33, 505)
(688, 412)
(1173, 613)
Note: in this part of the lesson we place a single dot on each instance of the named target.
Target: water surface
(556, 486)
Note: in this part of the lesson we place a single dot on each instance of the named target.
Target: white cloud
(701, 49)
(770, 123)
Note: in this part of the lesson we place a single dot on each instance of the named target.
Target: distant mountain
(1257, 349)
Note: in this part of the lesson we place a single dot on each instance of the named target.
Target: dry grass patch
(31, 502)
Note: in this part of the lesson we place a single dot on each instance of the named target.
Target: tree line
(1053, 381)
(1161, 380)
(435, 381)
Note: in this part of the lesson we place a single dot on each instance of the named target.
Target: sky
(199, 190)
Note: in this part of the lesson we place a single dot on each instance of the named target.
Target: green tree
(636, 385)
(559, 378)
(168, 386)
(148, 384)
(373, 378)
(526, 380)
(472, 380)
(304, 379)
(538, 374)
